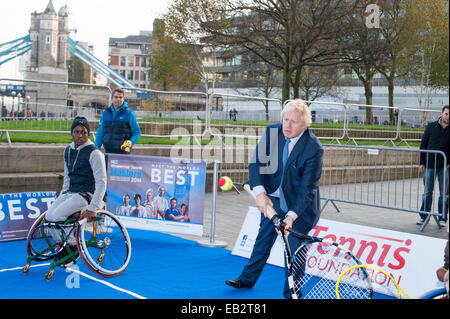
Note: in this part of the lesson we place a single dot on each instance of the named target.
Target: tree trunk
(391, 99)
(285, 91)
(296, 83)
(369, 94)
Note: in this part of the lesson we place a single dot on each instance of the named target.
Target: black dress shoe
(237, 283)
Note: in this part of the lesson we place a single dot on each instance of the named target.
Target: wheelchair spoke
(104, 245)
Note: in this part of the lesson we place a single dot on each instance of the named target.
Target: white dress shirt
(260, 188)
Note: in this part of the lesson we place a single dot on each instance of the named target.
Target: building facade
(130, 57)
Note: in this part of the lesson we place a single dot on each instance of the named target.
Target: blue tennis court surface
(162, 266)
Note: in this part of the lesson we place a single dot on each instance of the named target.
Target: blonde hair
(300, 106)
(148, 191)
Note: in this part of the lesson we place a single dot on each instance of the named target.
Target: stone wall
(33, 167)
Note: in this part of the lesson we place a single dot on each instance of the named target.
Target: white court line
(85, 275)
(106, 283)
(17, 268)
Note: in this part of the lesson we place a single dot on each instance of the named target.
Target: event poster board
(132, 177)
(411, 259)
(18, 211)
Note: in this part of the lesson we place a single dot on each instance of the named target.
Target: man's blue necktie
(283, 204)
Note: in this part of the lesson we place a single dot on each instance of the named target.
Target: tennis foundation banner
(18, 211)
(412, 260)
(157, 193)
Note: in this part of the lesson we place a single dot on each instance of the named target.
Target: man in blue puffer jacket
(117, 125)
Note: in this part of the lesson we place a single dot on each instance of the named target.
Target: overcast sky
(95, 20)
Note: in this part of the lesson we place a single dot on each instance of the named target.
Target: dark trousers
(261, 250)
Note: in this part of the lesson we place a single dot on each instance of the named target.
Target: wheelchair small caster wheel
(100, 258)
(48, 276)
(26, 269)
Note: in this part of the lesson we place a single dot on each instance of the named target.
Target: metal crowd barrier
(165, 113)
(383, 177)
(413, 117)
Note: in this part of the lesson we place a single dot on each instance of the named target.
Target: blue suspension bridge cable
(18, 47)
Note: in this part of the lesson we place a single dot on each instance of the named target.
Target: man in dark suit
(291, 188)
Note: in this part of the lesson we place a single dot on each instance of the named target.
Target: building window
(122, 61)
(237, 60)
(131, 61)
(130, 75)
(113, 60)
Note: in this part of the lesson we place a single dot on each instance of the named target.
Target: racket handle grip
(271, 213)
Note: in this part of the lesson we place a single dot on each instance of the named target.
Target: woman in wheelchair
(57, 235)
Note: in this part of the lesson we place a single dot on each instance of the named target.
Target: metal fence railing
(168, 113)
(383, 177)
(162, 112)
(411, 118)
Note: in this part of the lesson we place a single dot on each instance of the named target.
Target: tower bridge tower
(49, 31)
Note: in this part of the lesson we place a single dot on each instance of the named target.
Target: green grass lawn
(50, 138)
(64, 125)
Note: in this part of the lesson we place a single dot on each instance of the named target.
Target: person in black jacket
(435, 137)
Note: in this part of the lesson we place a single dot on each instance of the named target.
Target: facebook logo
(244, 239)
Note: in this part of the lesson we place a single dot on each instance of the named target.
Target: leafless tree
(362, 50)
(285, 34)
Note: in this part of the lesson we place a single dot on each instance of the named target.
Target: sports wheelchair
(103, 244)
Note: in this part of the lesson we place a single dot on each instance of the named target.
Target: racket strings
(316, 268)
(321, 289)
(382, 282)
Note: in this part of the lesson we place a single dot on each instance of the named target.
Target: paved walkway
(231, 209)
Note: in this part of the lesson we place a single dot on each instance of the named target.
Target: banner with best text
(18, 211)
(157, 193)
(412, 260)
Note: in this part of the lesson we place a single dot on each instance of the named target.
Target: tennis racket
(382, 282)
(314, 268)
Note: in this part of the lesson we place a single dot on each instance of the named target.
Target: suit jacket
(302, 173)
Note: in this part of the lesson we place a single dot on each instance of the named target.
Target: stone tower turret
(48, 32)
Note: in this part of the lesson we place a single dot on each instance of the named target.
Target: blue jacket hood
(124, 106)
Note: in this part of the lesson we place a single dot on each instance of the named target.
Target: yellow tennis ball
(225, 183)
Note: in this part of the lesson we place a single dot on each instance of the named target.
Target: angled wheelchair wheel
(29, 235)
(104, 244)
(40, 244)
(440, 293)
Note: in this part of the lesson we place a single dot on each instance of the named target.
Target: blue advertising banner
(157, 193)
(18, 211)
